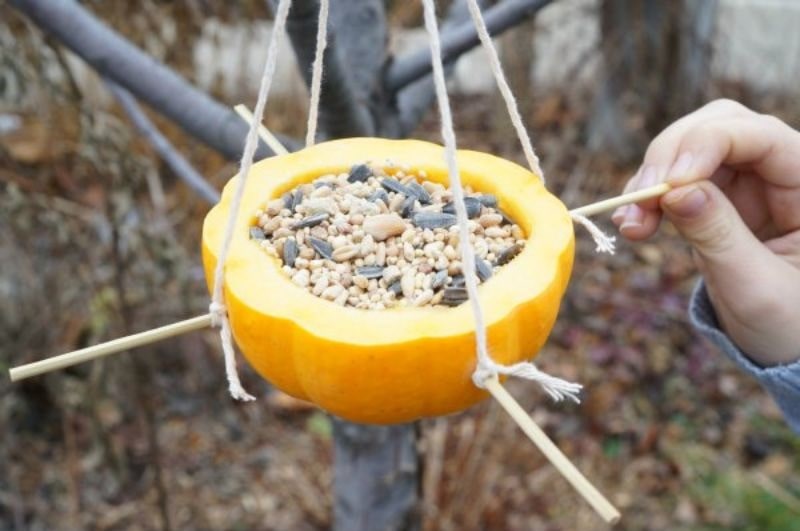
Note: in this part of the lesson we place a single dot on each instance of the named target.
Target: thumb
(710, 223)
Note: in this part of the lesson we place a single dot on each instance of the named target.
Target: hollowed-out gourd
(400, 364)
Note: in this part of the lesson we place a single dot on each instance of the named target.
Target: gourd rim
(255, 279)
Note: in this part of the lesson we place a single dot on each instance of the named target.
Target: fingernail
(633, 217)
(619, 215)
(686, 201)
(682, 166)
(649, 178)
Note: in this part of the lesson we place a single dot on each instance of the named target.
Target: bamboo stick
(598, 502)
(110, 347)
(622, 200)
(264, 133)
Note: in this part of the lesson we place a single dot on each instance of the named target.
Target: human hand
(736, 200)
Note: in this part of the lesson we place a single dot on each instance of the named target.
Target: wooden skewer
(622, 200)
(203, 321)
(600, 504)
(110, 347)
(264, 133)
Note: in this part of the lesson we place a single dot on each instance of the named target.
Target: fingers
(640, 221)
(709, 222)
(787, 247)
(703, 145)
(762, 143)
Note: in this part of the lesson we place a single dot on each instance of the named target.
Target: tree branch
(414, 100)
(459, 40)
(115, 58)
(350, 61)
(177, 163)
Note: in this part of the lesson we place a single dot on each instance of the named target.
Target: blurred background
(99, 237)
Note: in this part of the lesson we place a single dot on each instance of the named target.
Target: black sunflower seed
(290, 251)
(287, 198)
(433, 220)
(506, 220)
(488, 200)
(507, 254)
(395, 288)
(379, 195)
(457, 281)
(439, 279)
(370, 271)
(473, 207)
(310, 221)
(407, 208)
(392, 185)
(483, 269)
(297, 198)
(324, 248)
(359, 173)
(257, 234)
(454, 296)
(420, 193)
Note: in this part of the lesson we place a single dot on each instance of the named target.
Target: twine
(217, 309)
(605, 243)
(316, 72)
(486, 367)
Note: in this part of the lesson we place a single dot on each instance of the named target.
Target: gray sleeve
(782, 381)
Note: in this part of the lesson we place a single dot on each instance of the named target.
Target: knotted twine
(605, 244)
(217, 309)
(486, 367)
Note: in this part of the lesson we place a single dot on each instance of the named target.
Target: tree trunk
(656, 59)
(376, 469)
(376, 477)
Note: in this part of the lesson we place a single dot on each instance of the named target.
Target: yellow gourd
(400, 364)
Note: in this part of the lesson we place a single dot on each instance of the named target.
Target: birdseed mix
(371, 240)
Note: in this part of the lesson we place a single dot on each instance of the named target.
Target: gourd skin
(399, 364)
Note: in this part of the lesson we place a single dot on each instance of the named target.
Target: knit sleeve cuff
(782, 381)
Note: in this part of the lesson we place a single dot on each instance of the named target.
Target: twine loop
(557, 388)
(486, 367)
(218, 313)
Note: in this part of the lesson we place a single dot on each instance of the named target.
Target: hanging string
(486, 367)
(219, 314)
(604, 242)
(316, 72)
(505, 89)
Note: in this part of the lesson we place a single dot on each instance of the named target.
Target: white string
(486, 367)
(505, 90)
(219, 314)
(604, 242)
(316, 72)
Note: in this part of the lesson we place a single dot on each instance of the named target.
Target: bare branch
(414, 100)
(353, 59)
(152, 82)
(163, 147)
(459, 40)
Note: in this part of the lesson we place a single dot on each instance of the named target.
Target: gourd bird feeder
(398, 364)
